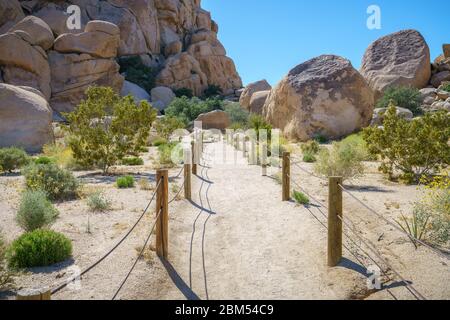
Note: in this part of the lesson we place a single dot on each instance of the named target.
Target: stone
(134, 90)
(217, 119)
(250, 89)
(446, 49)
(10, 13)
(69, 84)
(173, 48)
(440, 77)
(323, 96)
(56, 17)
(378, 115)
(238, 92)
(24, 64)
(26, 119)
(96, 43)
(164, 95)
(398, 59)
(102, 26)
(40, 33)
(443, 95)
(257, 101)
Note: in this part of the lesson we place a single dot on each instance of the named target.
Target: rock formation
(398, 59)
(325, 96)
(214, 120)
(250, 89)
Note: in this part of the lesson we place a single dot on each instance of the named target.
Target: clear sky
(267, 38)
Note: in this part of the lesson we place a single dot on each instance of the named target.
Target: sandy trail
(238, 240)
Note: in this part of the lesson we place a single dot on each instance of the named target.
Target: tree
(105, 128)
(415, 148)
(403, 97)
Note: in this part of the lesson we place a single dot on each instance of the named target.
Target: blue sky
(267, 38)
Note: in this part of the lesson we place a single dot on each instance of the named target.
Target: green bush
(309, 157)
(321, 139)
(257, 122)
(184, 92)
(300, 197)
(6, 275)
(44, 160)
(138, 73)
(159, 141)
(237, 114)
(39, 248)
(403, 97)
(35, 211)
(105, 128)
(413, 148)
(212, 91)
(166, 125)
(311, 147)
(125, 182)
(13, 158)
(133, 161)
(446, 87)
(189, 109)
(165, 154)
(343, 160)
(59, 184)
(358, 142)
(98, 203)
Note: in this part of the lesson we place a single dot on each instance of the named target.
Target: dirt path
(237, 240)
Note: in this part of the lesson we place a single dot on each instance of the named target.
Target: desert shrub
(133, 161)
(165, 152)
(309, 157)
(13, 158)
(62, 156)
(138, 73)
(59, 184)
(35, 211)
(238, 115)
(358, 142)
(343, 160)
(44, 160)
(105, 127)
(321, 139)
(165, 126)
(144, 184)
(446, 87)
(98, 203)
(6, 275)
(39, 248)
(403, 97)
(159, 141)
(212, 91)
(300, 197)
(311, 147)
(183, 92)
(189, 109)
(413, 148)
(257, 122)
(125, 182)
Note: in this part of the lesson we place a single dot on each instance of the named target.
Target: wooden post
(34, 294)
(286, 176)
(162, 224)
(334, 221)
(194, 164)
(187, 181)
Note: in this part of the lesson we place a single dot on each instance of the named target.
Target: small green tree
(237, 114)
(415, 148)
(105, 128)
(189, 109)
(12, 158)
(403, 97)
(165, 126)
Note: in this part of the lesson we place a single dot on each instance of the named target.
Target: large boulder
(257, 101)
(325, 96)
(399, 59)
(72, 74)
(100, 39)
(10, 13)
(40, 33)
(25, 119)
(24, 64)
(250, 89)
(379, 114)
(135, 91)
(214, 120)
(162, 97)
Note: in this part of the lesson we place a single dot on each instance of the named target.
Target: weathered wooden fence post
(187, 174)
(194, 164)
(34, 294)
(162, 204)
(334, 221)
(286, 173)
